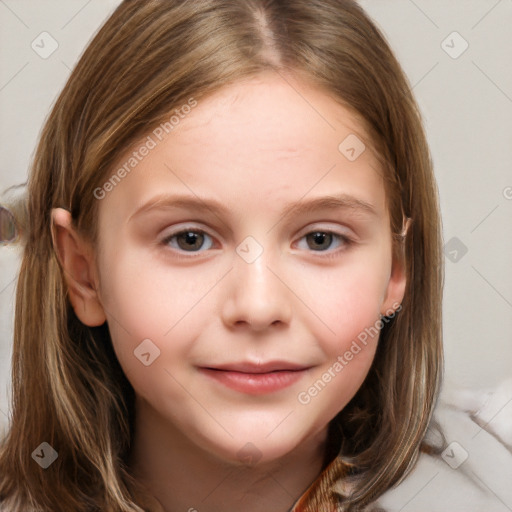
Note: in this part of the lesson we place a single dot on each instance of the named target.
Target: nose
(256, 298)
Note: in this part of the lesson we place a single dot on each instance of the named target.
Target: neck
(184, 477)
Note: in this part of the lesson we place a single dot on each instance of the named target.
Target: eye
(189, 241)
(322, 241)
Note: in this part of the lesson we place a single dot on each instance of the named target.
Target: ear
(398, 279)
(77, 260)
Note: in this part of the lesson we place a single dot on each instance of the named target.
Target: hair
(150, 57)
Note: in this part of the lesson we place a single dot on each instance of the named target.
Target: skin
(256, 148)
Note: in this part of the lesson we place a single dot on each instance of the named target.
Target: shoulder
(473, 471)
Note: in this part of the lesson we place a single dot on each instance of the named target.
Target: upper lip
(248, 367)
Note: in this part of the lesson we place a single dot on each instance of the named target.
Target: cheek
(141, 304)
(347, 302)
(143, 297)
(356, 331)
(145, 301)
(351, 310)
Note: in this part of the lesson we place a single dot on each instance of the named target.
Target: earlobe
(395, 290)
(398, 279)
(76, 259)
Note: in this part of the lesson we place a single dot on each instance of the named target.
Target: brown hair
(150, 57)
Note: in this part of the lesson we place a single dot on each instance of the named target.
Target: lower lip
(255, 383)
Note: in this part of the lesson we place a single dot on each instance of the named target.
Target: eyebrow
(342, 201)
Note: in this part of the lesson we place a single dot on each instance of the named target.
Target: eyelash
(344, 240)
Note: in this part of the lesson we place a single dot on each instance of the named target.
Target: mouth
(256, 379)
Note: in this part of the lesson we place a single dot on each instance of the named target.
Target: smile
(256, 379)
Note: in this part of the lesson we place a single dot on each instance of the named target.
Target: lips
(255, 368)
(256, 379)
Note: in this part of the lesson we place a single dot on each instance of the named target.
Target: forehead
(267, 137)
(271, 104)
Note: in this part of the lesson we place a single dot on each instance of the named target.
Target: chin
(250, 447)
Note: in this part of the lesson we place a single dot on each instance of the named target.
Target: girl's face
(242, 259)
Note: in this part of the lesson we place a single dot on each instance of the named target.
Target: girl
(230, 293)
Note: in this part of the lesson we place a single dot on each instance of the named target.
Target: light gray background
(467, 107)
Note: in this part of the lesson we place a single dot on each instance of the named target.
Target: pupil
(190, 240)
(319, 240)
